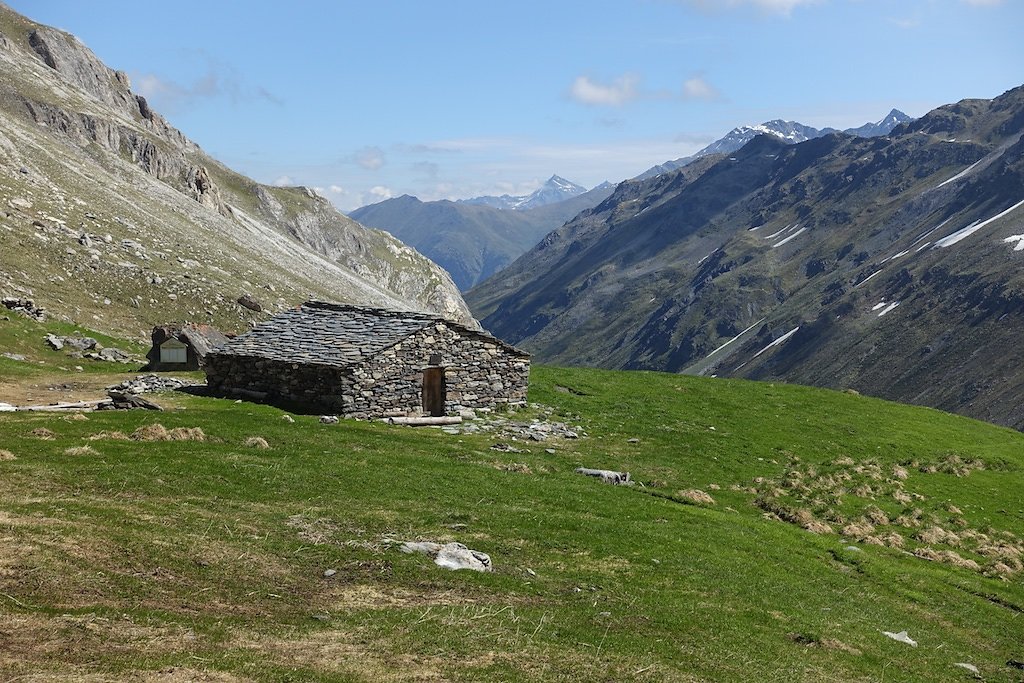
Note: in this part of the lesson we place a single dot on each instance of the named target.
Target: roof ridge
(391, 313)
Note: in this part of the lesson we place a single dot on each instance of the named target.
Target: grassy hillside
(207, 559)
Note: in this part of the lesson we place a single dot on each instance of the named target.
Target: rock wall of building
(319, 386)
(479, 373)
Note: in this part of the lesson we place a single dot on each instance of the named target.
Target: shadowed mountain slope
(891, 265)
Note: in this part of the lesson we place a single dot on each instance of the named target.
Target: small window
(173, 351)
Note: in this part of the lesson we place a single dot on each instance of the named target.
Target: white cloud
(336, 189)
(623, 89)
(219, 81)
(697, 88)
(380, 192)
(284, 181)
(370, 158)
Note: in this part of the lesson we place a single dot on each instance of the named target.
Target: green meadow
(773, 533)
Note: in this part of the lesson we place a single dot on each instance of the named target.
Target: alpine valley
(113, 218)
(886, 265)
(474, 238)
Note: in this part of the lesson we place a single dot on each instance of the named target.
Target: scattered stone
(145, 384)
(14, 356)
(607, 476)
(77, 343)
(329, 419)
(288, 418)
(633, 440)
(901, 637)
(121, 401)
(25, 307)
(507, 448)
(970, 667)
(249, 302)
(450, 555)
(7, 408)
(328, 573)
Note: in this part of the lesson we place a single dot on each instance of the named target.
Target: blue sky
(454, 99)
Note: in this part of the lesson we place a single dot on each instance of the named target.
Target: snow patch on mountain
(556, 189)
(974, 227)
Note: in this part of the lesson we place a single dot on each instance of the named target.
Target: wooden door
(434, 392)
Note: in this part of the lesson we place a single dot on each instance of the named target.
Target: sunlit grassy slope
(206, 560)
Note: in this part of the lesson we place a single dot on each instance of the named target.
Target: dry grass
(257, 442)
(859, 530)
(950, 557)
(43, 433)
(900, 473)
(76, 417)
(876, 516)
(81, 450)
(317, 531)
(696, 496)
(108, 436)
(6, 455)
(517, 467)
(935, 535)
(157, 432)
(892, 539)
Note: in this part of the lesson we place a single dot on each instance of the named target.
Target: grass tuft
(257, 442)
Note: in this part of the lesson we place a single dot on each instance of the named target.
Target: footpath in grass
(775, 533)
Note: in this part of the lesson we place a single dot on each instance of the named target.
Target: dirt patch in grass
(35, 643)
(257, 442)
(42, 389)
(317, 531)
(370, 597)
(6, 455)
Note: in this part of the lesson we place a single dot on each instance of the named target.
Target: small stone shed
(182, 347)
(369, 362)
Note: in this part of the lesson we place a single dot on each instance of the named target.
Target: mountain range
(473, 239)
(790, 131)
(110, 216)
(888, 265)
(555, 189)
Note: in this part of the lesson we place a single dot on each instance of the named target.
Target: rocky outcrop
(95, 159)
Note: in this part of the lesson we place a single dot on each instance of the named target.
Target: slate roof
(338, 335)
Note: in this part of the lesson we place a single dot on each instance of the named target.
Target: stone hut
(182, 347)
(369, 362)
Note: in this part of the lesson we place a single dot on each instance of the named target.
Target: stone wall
(316, 386)
(479, 373)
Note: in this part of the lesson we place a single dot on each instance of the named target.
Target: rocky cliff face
(87, 166)
(888, 265)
